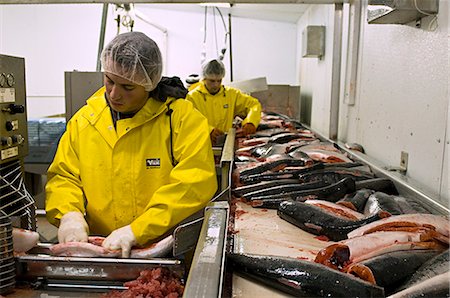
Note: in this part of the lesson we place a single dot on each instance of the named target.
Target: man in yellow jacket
(134, 161)
(221, 104)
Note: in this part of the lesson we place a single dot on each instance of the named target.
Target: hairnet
(135, 57)
(214, 68)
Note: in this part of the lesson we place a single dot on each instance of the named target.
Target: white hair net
(135, 57)
(213, 68)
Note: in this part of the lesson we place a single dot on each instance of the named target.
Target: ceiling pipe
(102, 36)
(336, 72)
(172, 1)
(231, 47)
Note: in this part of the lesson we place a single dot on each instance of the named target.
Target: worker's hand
(215, 134)
(73, 228)
(246, 130)
(122, 238)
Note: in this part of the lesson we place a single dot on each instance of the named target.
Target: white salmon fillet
(440, 223)
(370, 245)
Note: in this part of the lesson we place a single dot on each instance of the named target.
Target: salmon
(323, 218)
(438, 223)
(93, 249)
(359, 248)
(437, 286)
(302, 278)
(24, 240)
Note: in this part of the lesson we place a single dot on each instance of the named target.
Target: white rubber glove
(73, 228)
(122, 238)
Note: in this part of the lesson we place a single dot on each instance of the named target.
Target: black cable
(231, 47)
(118, 24)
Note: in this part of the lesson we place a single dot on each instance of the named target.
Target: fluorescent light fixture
(216, 4)
(384, 8)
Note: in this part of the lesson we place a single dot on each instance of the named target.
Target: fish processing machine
(37, 272)
(16, 204)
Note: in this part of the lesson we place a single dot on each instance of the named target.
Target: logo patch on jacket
(153, 162)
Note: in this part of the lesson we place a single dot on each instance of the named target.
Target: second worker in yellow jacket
(221, 104)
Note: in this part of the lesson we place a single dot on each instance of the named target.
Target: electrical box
(313, 41)
(13, 116)
(400, 11)
(79, 86)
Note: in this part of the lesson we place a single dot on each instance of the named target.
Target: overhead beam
(172, 1)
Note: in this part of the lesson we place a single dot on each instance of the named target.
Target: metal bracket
(403, 164)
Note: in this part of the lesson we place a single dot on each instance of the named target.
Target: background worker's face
(124, 96)
(213, 84)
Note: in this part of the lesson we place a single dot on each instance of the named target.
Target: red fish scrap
(156, 283)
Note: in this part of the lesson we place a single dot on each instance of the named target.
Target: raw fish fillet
(24, 240)
(93, 249)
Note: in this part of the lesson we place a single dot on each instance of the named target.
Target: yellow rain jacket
(125, 175)
(221, 108)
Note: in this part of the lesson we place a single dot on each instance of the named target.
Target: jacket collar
(202, 89)
(97, 105)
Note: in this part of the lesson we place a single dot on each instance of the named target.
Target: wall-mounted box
(79, 86)
(313, 41)
(400, 11)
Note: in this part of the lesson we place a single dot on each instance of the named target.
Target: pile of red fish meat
(155, 283)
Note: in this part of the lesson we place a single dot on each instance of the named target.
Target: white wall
(264, 49)
(402, 102)
(64, 37)
(314, 74)
(52, 39)
(402, 96)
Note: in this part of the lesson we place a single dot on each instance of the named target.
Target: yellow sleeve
(248, 107)
(193, 180)
(63, 189)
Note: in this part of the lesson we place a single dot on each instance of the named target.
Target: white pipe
(164, 30)
(145, 19)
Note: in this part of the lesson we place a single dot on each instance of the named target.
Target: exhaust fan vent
(400, 11)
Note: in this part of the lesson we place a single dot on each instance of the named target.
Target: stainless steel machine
(16, 204)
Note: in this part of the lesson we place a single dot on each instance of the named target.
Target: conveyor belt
(83, 273)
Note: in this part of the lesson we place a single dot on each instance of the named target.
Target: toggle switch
(18, 139)
(14, 109)
(6, 141)
(9, 125)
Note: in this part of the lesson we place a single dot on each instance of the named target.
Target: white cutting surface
(263, 232)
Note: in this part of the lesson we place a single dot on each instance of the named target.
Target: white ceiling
(273, 12)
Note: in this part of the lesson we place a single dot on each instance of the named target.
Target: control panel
(13, 116)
